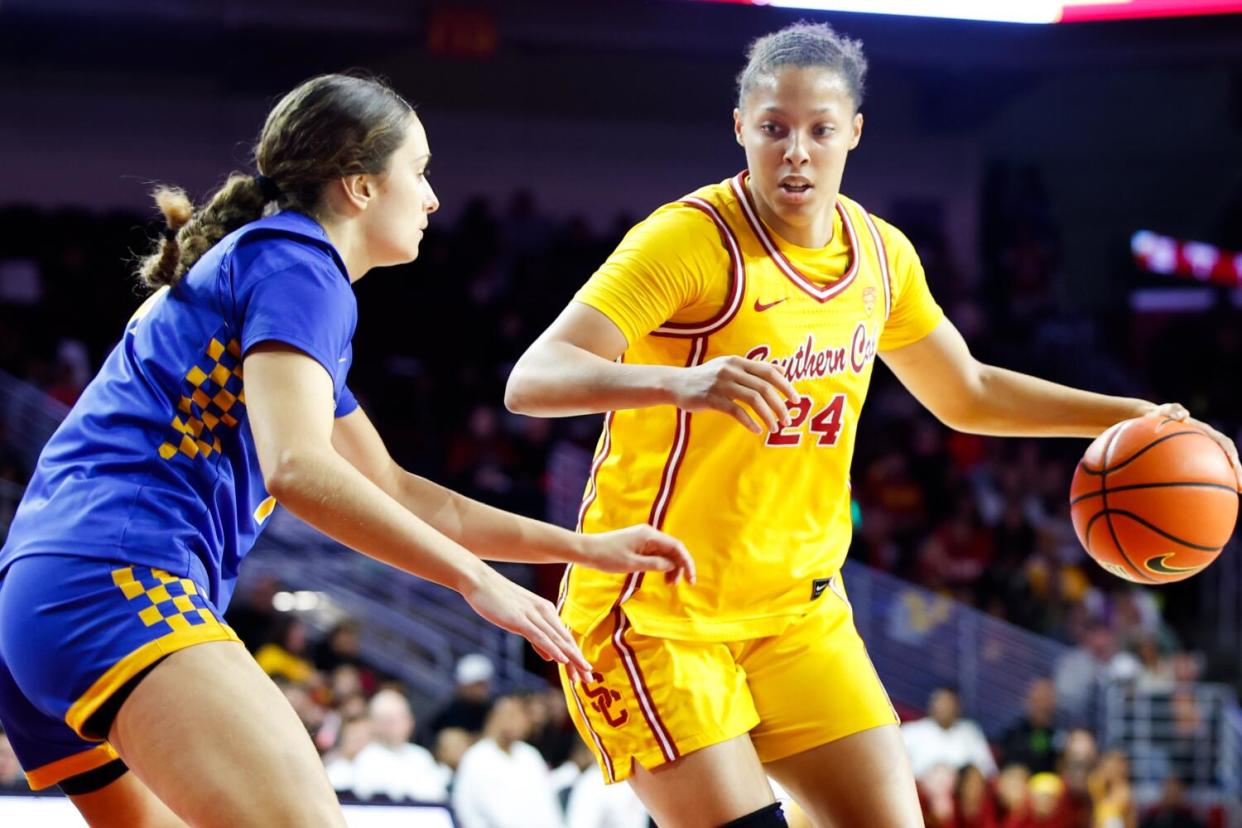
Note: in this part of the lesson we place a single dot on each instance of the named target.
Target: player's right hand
(728, 383)
(520, 611)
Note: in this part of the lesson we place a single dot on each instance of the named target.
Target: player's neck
(349, 244)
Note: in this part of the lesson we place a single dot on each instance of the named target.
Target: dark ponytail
(327, 128)
(191, 233)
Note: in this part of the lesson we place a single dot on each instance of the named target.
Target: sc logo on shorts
(602, 700)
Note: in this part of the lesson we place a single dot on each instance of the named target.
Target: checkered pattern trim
(164, 598)
(211, 394)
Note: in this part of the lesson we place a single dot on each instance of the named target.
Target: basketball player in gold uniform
(730, 340)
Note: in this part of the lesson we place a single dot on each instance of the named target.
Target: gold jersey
(767, 517)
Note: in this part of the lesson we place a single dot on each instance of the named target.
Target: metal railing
(1182, 731)
(410, 627)
(29, 415)
(919, 641)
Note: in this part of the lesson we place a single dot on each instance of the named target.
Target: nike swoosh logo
(1157, 564)
(760, 307)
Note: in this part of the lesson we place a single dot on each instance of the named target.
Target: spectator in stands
(592, 804)
(1112, 797)
(471, 700)
(302, 698)
(341, 648)
(936, 788)
(944, 738)
(285, 655)
(250, 613)
(552, 734)
(958, 551)
(1077, 762)
(1087, 669)
(355, 734)
(1190, 739)
(11, 776)
(973, 803)
(1035, 741)
(1171, 811)
(71, 372)
(1157, 672)
(345, 682)
(502, 782)
(1011, 792)
(450, 746)
(390, 765)
(1046, 805)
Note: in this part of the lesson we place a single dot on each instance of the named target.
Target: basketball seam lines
(1135, 456)
(1170, 484)
(1108, 519)
(1159, 531)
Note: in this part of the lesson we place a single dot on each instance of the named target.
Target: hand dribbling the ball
(1177, 411)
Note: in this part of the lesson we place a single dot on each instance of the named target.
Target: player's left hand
(1176, 411)
(639, 548)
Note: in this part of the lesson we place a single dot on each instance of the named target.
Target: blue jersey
(156, 465)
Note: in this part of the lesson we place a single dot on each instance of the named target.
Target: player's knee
(769, 816)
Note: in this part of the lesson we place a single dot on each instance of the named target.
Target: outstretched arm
(498, 535)
(289, 405)
(970, 396)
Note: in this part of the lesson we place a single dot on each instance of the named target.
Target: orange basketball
(1153, 501)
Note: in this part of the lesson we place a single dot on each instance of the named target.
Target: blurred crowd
(500, 759)
(513, 760)
(1041, 773)
(983, 521)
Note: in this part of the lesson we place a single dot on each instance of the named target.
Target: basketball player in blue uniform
(226, 395)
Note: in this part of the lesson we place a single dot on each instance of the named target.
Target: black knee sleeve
(93, 780)
(769, 816)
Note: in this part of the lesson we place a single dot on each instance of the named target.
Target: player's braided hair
(805, 44)
(328, 127)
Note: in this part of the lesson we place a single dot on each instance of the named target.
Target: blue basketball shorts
(73, 632)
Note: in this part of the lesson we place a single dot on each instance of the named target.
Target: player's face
(397, 217)
(797, 128)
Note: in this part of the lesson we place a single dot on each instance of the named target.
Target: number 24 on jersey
(824, 425)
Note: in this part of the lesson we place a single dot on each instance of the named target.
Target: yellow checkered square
(224, 399)
(179, 612)
(203, 409)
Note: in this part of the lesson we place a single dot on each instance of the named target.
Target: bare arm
(289, 406)
(498, 535)
(970, 396)
(572, 369)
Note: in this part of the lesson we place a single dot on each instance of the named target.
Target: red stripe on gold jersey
(764, 515)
